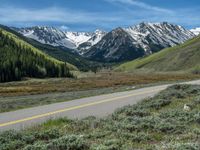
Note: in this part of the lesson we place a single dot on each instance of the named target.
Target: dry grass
(100, 80)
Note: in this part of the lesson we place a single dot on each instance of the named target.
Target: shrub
(136, 137)
(112, 144)
(178, 115)
(36, 146)
(156, 103)
(12, 145)
(197, 117)
(47, 134)
(132, 111)
(187, 146)
(170, 126)
(69, 142)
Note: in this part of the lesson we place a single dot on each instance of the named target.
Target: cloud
(52, 14)
(141, 5)
(63, 27)
(89, 20)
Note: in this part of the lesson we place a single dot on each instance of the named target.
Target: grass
(157, 123)
(182, 57)
(20, 102)
(99, 80)
(36, 92)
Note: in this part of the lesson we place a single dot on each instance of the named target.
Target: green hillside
(60, 53)
(19, 59)
(184, 57)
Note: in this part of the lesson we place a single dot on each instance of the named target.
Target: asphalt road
(98, 106)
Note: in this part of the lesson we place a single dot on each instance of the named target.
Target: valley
(37, 92)
(60, 88)
(94, 77)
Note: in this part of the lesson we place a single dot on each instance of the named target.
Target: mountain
(58, 52)
(121, 44)
(19, 59)
(124, 44)
(55, 37)
(94, 39)
(114, 46)
(196, 31)
(184, 57)
(155, 36)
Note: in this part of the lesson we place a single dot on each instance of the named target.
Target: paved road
(98, 106)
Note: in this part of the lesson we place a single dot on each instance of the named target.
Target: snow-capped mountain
(56, 37)
(94, 39)
(48, 35)
(160, 34)
(196, 31)
(123, 44)
(117, 45)
(120, 44)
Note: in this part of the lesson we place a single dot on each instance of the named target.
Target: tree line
(18, 60)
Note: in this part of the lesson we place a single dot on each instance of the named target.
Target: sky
(88, 15)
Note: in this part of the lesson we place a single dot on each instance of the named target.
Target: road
(98, 106)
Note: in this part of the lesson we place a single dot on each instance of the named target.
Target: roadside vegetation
(158, 123)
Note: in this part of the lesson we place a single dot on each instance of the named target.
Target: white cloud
(141, 5)
(63, 27)
(124, 16)
(53, 14)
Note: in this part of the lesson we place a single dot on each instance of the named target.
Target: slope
(179, 58)
(60, 53)
(115, 46)
(19, 59)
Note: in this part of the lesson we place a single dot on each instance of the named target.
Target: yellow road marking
(73, 108)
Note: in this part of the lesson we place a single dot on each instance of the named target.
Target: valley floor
(35, 92)
(158, 123)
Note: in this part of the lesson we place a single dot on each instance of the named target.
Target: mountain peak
(196, 31)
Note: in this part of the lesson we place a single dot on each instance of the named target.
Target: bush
(36, 146)
(136, 137)
(178, 115)
(156, 103)
(170, 126)
(187, 146)
(69, 142)
(132, 111)
(47, 134)
(197, 117)
(113, 144)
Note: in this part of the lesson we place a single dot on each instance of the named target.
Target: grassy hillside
(19, 59)
(158, 123)
(179, 58)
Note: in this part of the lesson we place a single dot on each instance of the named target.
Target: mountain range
(50, 52)
(55, 37)
(124, 44)
(120, 44)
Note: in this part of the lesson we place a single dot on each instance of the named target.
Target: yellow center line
(73, 108)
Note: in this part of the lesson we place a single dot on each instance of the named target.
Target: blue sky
(87, 15)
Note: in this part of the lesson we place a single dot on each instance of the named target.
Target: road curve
(98, 106)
